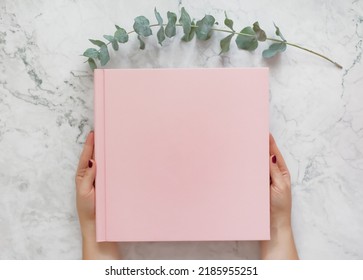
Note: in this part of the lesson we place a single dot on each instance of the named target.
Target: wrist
(281, 232)
(280, 228)
(281, 222)
(91, 249)
(281, 244)
(88, 230)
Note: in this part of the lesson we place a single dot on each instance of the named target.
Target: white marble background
(46, 110)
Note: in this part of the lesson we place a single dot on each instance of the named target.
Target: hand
(280, 188)
(85, 191)
(281, 245)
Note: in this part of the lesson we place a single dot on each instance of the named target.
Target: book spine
(99, 129)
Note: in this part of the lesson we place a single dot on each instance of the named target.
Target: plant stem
(270, 39)
(305, 49)
(281, 41)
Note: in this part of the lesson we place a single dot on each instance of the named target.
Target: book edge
(99, 128)
(266, 70)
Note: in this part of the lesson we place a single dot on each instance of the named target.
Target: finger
(87, 152)
(88, 179)
(275, 173)
(274, 150)
(93, 151)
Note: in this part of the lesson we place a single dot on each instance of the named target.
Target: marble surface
(46, 111)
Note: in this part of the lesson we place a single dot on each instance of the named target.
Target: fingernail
(90, 164)
(273, 159)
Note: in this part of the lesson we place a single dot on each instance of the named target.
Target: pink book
(182, 154)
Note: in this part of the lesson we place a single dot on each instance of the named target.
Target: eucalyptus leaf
(190, 36)
(161, 35)
(97, 42)
(261, 35)
(121, 35)
(142, 26)
(204, 29)
(158, 17)
(186, 22)
(278, 32)
(114, 45)
(109, 38)
(170, 29)
(92, 64)
(112, 40)
(228, 22)
(104, 55)
(247, 42)
(161, 32)
(142, 43)
(225, 43)
(91, 53)
(274, 49)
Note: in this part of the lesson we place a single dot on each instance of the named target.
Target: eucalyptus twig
(247, 39)
(310, 51)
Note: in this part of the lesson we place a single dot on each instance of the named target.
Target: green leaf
(228, 22)
(161, 31)
(115, 45)
(112, 40)
(204, 29)
(161, 35)
(261, 35)
(91, 53)
(104, 55)
(158, 17)
(142, 26)
(186, 22)
(170, 29)
(225, 43)
(108, 38)
(190, 36)
(247, 42)
(278, 32)
(121, 35)
(97, 42)
(274, 49)
(92, 64)
(142, 43)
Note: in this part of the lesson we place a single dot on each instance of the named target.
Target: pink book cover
(182, 154)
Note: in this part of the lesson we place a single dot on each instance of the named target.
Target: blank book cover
(182, 154)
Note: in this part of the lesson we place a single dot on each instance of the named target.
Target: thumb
(275, 173)
(89, 177)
